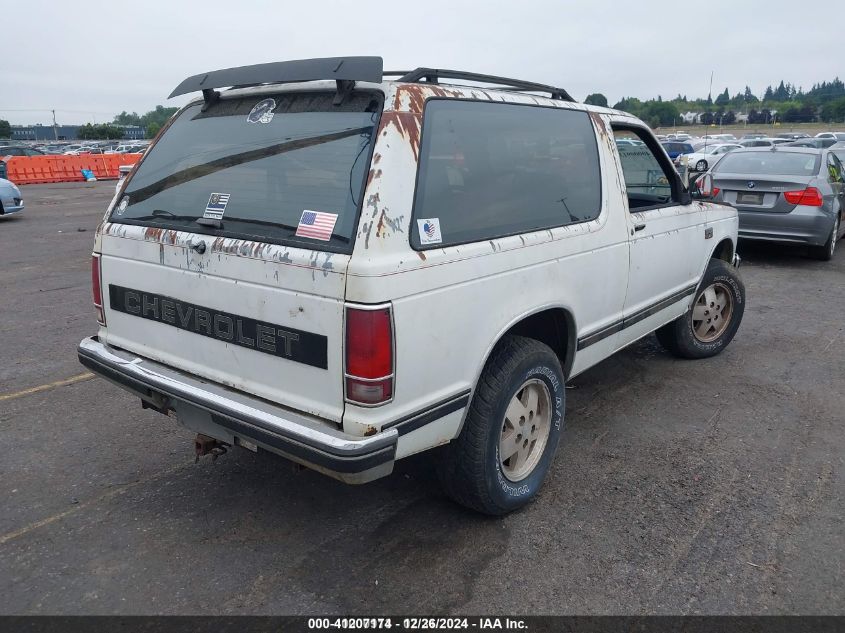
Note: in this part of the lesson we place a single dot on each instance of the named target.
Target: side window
(834, 168)
(488, 170)
(647, 180)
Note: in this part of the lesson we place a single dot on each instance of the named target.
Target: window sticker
(316, 225)
(123, 204)
(216, 206)
(429, 231)
(262, 112)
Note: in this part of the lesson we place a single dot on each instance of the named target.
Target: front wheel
(701, 165)
(499, 461)
(715, 315)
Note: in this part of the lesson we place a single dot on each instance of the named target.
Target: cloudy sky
(90, 60)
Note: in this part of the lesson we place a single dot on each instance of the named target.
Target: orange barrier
(28, 170)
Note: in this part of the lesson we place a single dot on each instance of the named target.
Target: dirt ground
(679, 487)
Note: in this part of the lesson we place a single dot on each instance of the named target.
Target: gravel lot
(680, 487)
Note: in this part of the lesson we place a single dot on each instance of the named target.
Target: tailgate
(226, 255)
(264, 319)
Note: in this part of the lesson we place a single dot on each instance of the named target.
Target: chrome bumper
(230, 416)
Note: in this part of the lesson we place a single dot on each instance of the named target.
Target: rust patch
(374, 173)
(418, 93)
(380, 225)
(421, 254)
(153, 234)
(408, 126)
(376, 158)
(599, 123)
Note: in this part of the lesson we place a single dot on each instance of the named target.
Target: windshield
(272, 168)
(777, 162)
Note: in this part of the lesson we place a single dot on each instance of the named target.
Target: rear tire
(825, 252)
(518, 406)
(701, 165)
(712, 320)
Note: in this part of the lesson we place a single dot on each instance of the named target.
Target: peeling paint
(327, 266)
(408, 126)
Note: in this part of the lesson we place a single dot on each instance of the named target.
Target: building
(691, 117)
(41, 132)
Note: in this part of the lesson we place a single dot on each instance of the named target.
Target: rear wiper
(161, 213)
(213, 223)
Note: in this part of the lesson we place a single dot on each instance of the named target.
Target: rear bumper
(11, 207)
(231, 416)
(803, 225)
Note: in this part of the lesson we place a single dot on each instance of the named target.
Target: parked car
(11, 200)
(817, 142)
(676, 148)
(793, 136)
(753, 135)
(4, 172)
(836, 136)
(628, 141)
(756, 142)
(19, 150)
(719, 138)
(789, 194)
(346, 282)
(706, 157)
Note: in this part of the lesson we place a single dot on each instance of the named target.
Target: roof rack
(344, 70)
(434, 75)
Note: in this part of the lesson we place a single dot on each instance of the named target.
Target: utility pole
(55, 128)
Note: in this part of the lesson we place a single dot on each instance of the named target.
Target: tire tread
(461, 469)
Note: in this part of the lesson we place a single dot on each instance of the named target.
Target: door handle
(639, 227)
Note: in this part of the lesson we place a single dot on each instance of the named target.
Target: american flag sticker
(429, 231)
(316, 225)
(216, 206)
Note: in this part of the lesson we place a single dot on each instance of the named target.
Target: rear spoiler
(345, 70)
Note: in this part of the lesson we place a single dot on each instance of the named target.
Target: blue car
(676, 148)
(11, 200)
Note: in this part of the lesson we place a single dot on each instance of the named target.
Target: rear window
(775, 162)
(490, 170)
(256, 166)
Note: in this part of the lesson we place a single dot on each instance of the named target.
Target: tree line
(784, 103)
(152, 121)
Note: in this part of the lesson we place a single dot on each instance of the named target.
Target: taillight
(97, 289)
(369, 355)
(809, 197)
(715, 192)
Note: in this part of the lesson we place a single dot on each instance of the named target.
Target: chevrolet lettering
(296, 345)
(345, 266)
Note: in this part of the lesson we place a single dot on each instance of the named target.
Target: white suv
(347, 272)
